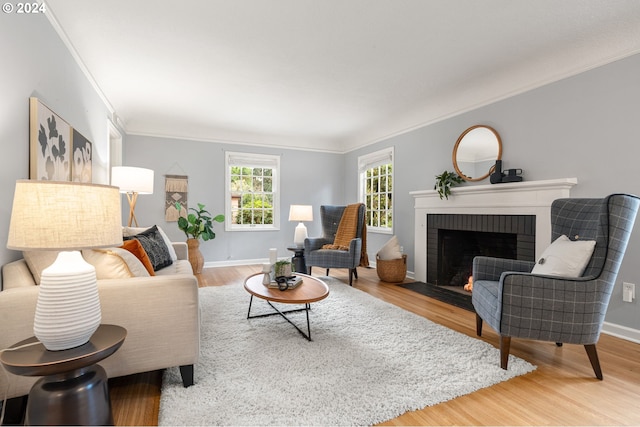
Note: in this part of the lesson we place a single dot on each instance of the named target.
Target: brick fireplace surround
(518, 198)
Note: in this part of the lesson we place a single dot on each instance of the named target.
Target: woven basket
(392, 270)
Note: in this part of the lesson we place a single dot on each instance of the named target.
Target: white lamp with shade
(66, 217)
(300, 213)
(132, 181)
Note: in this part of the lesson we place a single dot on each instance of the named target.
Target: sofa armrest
(17, 310)
(16, 274)
(182, 250)
(162, 319)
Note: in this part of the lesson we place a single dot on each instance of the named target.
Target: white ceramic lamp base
(300, 235)
(68, 307)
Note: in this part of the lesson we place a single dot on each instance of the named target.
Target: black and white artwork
(81, 156)
(50, 138)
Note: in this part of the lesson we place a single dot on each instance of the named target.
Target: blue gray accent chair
(516, 303)
(333, 258)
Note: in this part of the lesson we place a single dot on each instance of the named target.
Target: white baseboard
(620, 331)
(232, 263)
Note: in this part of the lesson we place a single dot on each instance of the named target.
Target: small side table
(73, 389)
(299, 263)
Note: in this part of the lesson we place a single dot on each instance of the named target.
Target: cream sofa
(160, 314)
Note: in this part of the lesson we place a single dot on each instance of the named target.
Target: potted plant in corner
(197, 225)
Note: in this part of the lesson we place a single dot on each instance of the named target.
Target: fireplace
(476, 202)
(453, 240)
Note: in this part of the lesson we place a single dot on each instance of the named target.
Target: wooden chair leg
(355, 273)
(309, 270)
(351, 272)
(478, 325)
(327, 272)
(505, 343)
(593, 358)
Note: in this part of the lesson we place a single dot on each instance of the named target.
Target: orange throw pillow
(135, 247)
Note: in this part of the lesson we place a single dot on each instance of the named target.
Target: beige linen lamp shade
(49, 215)
(300, 213)
(132, 181)
(65, 216)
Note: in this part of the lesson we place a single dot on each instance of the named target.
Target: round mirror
(476, 152)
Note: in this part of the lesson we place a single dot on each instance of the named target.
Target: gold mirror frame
(487, 139)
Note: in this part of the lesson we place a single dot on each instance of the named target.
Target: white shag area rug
(369, 362)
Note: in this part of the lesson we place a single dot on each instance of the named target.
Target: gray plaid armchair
(333, 258)
(519, 304)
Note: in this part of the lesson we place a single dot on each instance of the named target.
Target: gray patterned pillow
(155, 247)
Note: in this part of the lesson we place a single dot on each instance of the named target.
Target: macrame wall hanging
(176, 189)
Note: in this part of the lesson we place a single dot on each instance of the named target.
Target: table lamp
(300, 213)
(132, 181)
(65, 217)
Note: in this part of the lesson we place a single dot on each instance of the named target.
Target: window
(376, 189)
(252, 197)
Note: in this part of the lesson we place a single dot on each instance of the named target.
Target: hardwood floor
(562, 391)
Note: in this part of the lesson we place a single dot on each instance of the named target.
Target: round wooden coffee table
(310, 290)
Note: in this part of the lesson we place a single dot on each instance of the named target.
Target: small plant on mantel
(445, 181)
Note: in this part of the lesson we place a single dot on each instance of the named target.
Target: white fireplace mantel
(516, 198)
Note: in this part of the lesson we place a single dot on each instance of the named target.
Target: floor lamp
(65, 217)
(132, 181)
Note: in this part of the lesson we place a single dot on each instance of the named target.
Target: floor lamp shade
(300, 213)
(65, 217)
(132, 181)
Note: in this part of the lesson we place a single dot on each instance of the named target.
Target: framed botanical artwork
(81, 158)
(49, 145)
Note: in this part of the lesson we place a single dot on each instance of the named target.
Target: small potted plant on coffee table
(283, 268)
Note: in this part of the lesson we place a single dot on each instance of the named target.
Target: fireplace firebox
(453, 240)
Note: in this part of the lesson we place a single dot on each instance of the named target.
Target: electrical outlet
(628, 292)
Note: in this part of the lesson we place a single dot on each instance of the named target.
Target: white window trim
(233, 158)
(368, 161)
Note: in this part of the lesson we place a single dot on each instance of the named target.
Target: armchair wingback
(330, 217)
(516, 303)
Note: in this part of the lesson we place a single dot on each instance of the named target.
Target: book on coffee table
(292, 283)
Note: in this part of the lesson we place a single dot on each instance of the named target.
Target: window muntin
(376, 189)
(252, 199)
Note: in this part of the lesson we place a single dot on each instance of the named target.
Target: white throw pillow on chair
(565, 258)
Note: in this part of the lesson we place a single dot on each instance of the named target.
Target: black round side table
(73, 389)
(298, 260)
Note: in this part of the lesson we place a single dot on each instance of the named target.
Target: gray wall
(307, 178)
(35, 62)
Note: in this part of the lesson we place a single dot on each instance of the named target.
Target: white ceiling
(330, 75)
